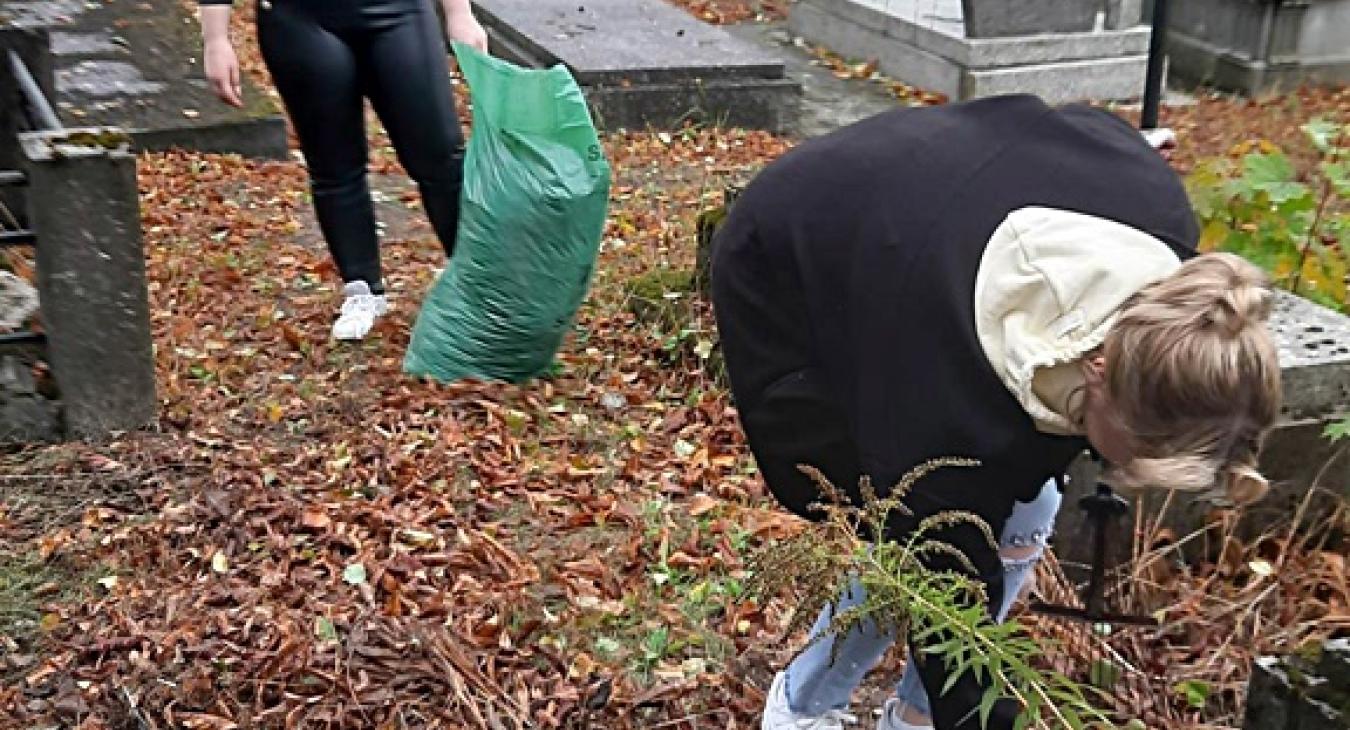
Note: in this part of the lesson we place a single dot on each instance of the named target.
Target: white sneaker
(892, 717)
(778, 716)
(360, 309)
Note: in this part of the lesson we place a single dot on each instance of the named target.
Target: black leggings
(326, 57)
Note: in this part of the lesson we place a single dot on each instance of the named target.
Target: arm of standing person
(222, 65)
(462, 26)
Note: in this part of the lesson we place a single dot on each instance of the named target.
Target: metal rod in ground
(22, 338)
(17, 238)
(37, 101)
(1156, 57)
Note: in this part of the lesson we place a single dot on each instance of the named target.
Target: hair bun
(1245, 298)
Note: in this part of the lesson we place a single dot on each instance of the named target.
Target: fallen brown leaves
(1232, 600)
(312, 539)
(723, 12)
(1215, 124)
(321, 540)
(868, 71)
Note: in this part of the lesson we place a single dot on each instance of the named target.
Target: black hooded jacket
(844, 285)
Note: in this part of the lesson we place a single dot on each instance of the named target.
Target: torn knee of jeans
(1016, 560)
(1034, 540)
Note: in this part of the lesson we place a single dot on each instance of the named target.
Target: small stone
(16, 377)
(27, 418)
(71, 705)
(18, 301)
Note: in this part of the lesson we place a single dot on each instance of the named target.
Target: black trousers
(791, 414)
(326, 57)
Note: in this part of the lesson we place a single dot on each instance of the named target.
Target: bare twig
(1322, 203)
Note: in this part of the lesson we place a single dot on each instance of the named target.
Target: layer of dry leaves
(723, 12)
(1277, 592)
(1216, 124)
(311, 539)
(499, 524)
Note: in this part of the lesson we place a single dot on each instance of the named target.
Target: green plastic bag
(536, 194)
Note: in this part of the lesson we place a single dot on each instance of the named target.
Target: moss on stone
(108, 139)
(662, 297)
(711, 218)
(260, 104)
(656, 284)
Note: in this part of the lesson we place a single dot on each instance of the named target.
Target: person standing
(326, 58)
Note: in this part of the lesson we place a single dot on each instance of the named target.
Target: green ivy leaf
(324, 629)
(1281, 192)
(1299, 208)
(1337, 430)
(1266, 169)
(354, 574)
(1195, 692)
(1322, 133)
(1339, 175)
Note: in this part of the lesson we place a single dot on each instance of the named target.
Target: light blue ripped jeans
(815, 686)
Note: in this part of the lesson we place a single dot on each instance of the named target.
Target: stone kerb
(941, 46)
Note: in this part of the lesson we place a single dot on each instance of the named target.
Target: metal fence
(34, 113)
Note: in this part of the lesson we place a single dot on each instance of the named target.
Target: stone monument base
(925, 43)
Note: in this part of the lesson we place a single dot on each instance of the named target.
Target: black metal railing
(21, 237)
(35, 113)
(38, 111)
(22, 338)
(1153, 77)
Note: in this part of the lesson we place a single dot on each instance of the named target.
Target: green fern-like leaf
(942, 611)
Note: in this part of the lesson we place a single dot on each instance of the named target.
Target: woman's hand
(222, 71)
(461, 24)
(222, 66)
(462, 27)
(1163, 140)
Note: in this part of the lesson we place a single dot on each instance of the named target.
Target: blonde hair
(1193, 373)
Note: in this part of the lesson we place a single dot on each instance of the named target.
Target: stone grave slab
(645, 62)
(136, 64)
(1306, 690)
(1314, 344)
(939, 46)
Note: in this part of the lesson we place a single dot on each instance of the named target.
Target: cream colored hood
(1048, 289)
